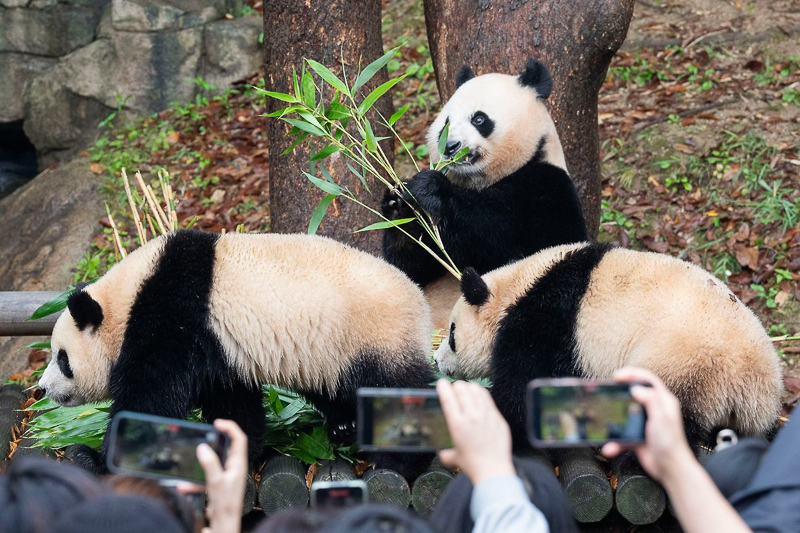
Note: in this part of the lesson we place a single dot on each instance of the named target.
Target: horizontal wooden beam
(15, 307)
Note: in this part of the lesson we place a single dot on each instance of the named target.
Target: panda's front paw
(87, 458)
(394, 207)
(342, 433)
(427, 189)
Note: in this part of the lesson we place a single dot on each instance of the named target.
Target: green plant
(791, 96)
(678, 180)
(341, 124)
(109, 120)
(777, 206)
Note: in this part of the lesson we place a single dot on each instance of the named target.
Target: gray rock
(231, 50)
(47, 226)
(159, 15)
(13, 3)
(64, 105)
(16, 70)
(52, 32)
(156, 69)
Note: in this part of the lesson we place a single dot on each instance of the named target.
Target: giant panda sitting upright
(195, 319)
(510, 198)
(589, 309)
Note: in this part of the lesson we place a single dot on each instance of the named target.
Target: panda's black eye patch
(452, 339)
(63, 364)
(482, 123)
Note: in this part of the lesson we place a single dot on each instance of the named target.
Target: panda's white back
(677, 320)
(287, 308)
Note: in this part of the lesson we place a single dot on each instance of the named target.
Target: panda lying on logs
(510, 197)
(200, 320)
(587, 310)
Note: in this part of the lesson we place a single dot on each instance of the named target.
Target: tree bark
(326, 32)
(576, 39)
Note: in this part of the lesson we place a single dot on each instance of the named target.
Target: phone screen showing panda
(572, 413)
(160, 448)
(403, 420)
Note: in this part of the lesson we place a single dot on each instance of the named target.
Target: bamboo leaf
(373, 68)
(399, 113)
(385, 224)
(42, 345)
(309, 90)
(311, 119)
(305, 126)
(328, 76)
(296, 84)
(327, 186)
(325, 152)
(283, 97)
(302, 137)
(379, 91)
(443, 139)
(361, 177)
(319, 213)
(284, 111)
(55, 305)
(372, 144)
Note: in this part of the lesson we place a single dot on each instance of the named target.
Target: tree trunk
(576, 39)
(325, 32)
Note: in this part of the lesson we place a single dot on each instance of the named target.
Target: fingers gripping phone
(160, 448)
(570, 412)
(401, 420)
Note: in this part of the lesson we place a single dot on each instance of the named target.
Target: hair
(174, 502)
(372, 518)
(294, 520)
(118, 514)
(34, 492)
(368, 518)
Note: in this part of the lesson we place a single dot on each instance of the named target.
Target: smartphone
(571, 412)
(160, 448)
(338, 494)
(401, 420)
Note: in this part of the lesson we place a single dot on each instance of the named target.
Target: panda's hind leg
(242, 403)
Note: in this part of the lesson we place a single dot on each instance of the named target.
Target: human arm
(482, 449)
(666, 456)
(225, 486)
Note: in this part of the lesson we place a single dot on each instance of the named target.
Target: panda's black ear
(475, 290)
(464, 75)
(84, 310)
(537, 77)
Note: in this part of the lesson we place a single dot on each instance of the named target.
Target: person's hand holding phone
(481, 437)
(225, 485)
(665, 444)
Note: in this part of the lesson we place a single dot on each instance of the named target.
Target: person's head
(117, 514)
(376, 519)
(175, 503)
(34, 492)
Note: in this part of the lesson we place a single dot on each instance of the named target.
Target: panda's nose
(44, 391)
(451, 148)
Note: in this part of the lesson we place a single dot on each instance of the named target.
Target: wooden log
(388, 487)
(428, 487)
(283, 485)
(338, 470)
(250, 495)
(16, 307)
(639, 499)
(10, 415)
(585, 484)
